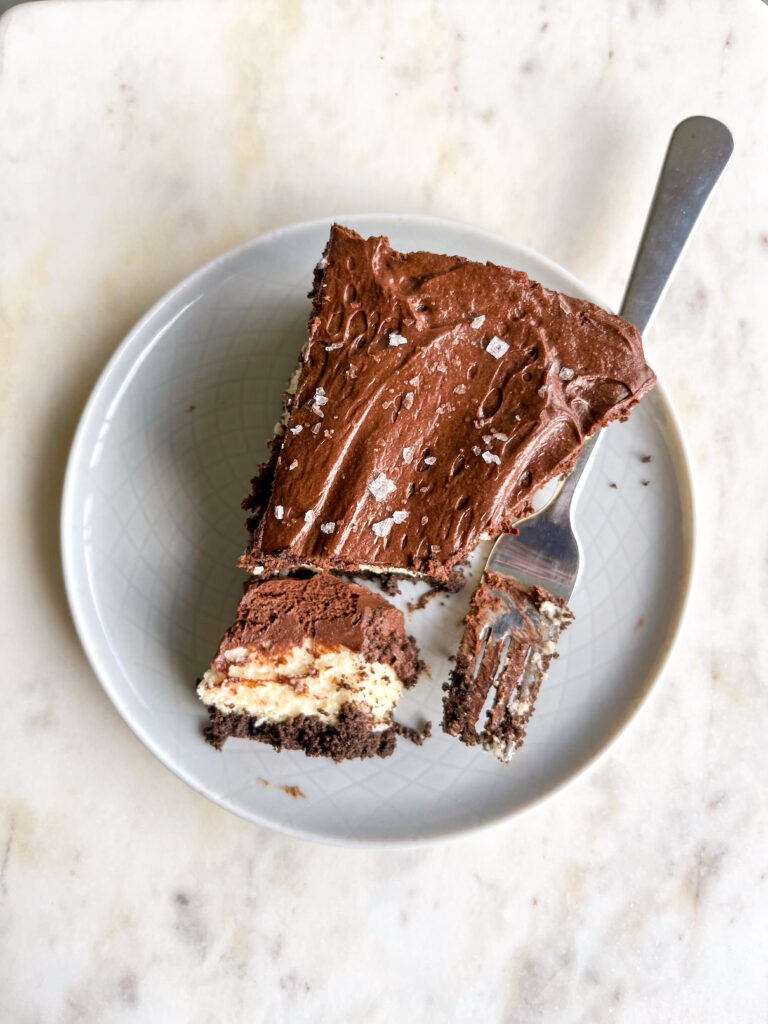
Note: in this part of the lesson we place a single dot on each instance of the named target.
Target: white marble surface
(136, 141)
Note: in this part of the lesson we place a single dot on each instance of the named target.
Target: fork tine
(508, 686)
(485, 636)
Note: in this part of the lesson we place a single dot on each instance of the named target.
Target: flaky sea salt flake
(396, 339)
(496, 347)
(408, 455)
(310, 516)
(383, 527)
(327, 527)
(297, 429)
(320, 398)
(478, 321)
(279, 511)
(381, 486)
(400, 516)
(293, 465)
(490, 457)
(430, 460)
(408, 400)
(566, 373)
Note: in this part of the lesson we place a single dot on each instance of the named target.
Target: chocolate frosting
(436, 396)
(275, 615)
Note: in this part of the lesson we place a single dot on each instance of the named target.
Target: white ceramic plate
(152, 529)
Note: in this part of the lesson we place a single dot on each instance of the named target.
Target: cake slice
(314, 664)
(434, 397)
(511, 697)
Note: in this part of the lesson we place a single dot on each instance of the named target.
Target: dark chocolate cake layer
(316, 664)
(541, 620)
(435, 397)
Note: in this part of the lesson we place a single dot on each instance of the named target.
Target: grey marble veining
(138, 142)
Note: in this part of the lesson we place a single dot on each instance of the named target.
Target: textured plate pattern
(152, 529)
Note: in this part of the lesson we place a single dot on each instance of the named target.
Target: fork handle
(698, 151)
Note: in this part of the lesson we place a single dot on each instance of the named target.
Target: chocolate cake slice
(314, 664)
(509, 694)
(435, 396)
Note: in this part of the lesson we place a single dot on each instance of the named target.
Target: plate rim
(79, 611)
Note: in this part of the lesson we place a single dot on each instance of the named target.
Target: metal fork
(546, 550)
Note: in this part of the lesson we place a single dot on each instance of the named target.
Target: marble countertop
(139, 140)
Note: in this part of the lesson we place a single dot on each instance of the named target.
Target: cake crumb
(615, 486)
(646, 458)
(645, 482)
(293, 791)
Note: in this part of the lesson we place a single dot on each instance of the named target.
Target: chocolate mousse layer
(435, 397)
(316, 664)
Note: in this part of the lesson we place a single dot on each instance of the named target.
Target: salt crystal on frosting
(408, 400)
(430, 460)
(327, 527)
(566, 373)
(400, 516)
(297, 429)
(310, 516)
(490, 457)
(408, 455)
(279, 511)
(476, 449)
(334, 346)
(496, 347)
(396, 339)
(293, 465)
(478, 321)
(383, 527)
(381, 487)
(320, 399)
